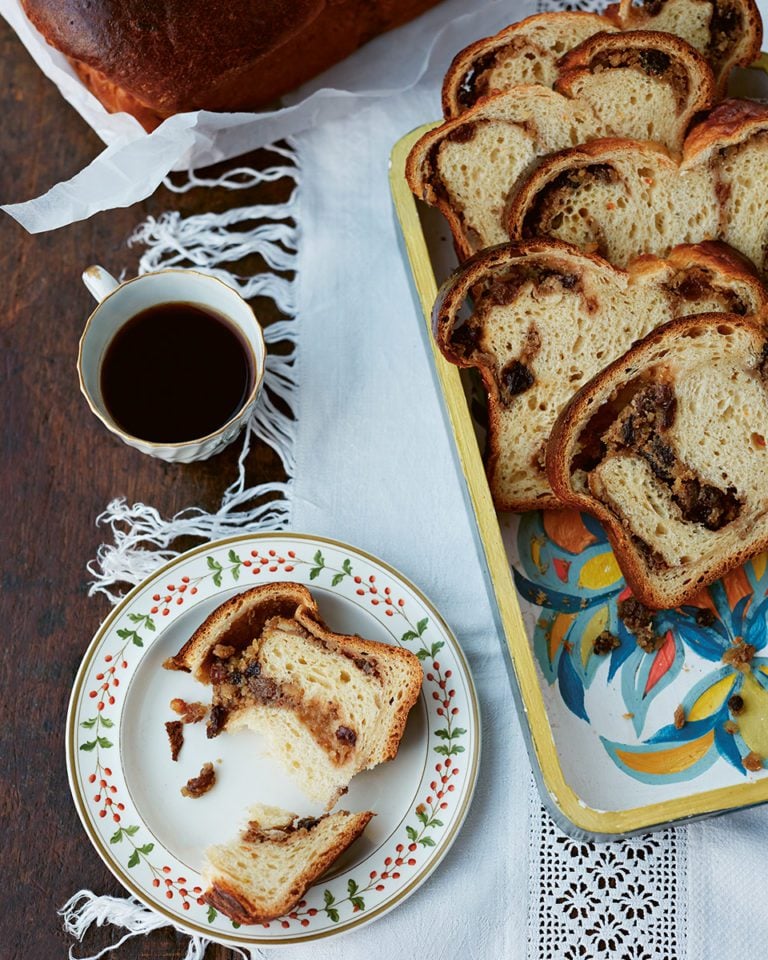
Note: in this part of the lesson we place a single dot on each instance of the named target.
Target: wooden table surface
(59, 469)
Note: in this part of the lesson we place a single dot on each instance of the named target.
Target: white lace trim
(622, 900)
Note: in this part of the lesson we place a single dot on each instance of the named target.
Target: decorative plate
(127, 789)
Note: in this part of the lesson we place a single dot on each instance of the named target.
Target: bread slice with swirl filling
(545, 318)
(264, 873)
(667, 447)
(329, 705)
(640, 84)
(727, 33)
(623, 198)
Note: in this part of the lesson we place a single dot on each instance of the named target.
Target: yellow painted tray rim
(602, 823)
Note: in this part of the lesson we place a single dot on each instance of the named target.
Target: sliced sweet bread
(622, 198)
(329, 705)
(620, 85)
(546, 318)
(266, 871)
(667, 448)
(726, 32)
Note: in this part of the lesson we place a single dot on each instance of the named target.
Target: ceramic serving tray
(608, 755)
(127, 789)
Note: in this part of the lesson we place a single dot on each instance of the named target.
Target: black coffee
(175, 372)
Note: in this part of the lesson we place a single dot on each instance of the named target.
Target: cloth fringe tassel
(85, 909)
(142, 540)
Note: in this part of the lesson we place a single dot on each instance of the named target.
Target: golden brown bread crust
(155, 58)
(565, 435)
(731, 122)
(241, 619)
(522, 217)
(371, 648)
(683, 68)
(238, 621)
(740, 17)
(600, 49)
(466, 61)
(718, 258)
(233, 903)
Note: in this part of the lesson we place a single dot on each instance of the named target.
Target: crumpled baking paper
(134, 162)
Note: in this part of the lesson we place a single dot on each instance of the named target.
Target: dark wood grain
(59, 469)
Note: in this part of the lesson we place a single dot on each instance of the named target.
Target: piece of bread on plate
(667, 447)
(623, 198)
(265, 872)
(620, 85)
(545, 318)
(726, 32)
(330, 705)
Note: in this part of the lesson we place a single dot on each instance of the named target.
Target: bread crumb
(189, 712)
(627, 716)
(679, 717)
(739, 655)
(202, 783)
(604, 643)
(753, 761)
(730, 727)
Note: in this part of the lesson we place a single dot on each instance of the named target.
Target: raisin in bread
(622, 85)
(726, 32)
(266, 871)
(329, 705)
(623, 198)
(546, 318)
(667, 448)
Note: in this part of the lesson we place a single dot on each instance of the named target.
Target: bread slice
(619, 85)
(546, 318)
(726, 32)
(622, 198)
(329, 705)
(522, 53)
(265, 872)
(667, 447)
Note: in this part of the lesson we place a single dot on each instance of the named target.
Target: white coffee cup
(119, 302)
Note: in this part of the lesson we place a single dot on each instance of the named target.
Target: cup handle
(99, 281)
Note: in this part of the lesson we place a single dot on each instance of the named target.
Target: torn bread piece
(545, 318)
(329, 705)
(642, 84)
(623, 198)
(667, 448)
(266, 871)
(727, 33)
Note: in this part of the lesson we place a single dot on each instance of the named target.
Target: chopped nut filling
(196, 786)
(638, 619)
(739, 655)
(189, 712)
(239, 682)
(604, 643)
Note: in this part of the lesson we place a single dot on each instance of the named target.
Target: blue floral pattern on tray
(568, 570)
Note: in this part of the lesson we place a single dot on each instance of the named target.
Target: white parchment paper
(134, 162)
